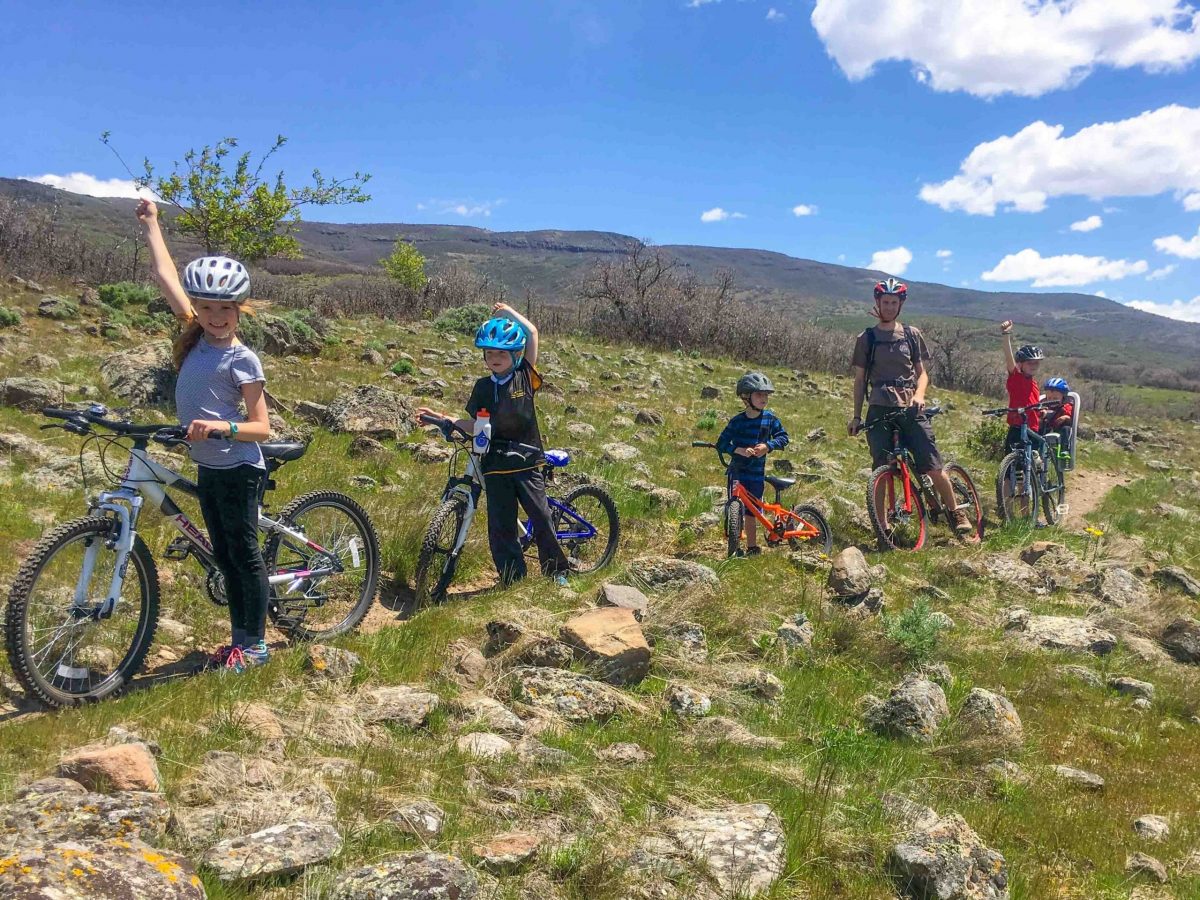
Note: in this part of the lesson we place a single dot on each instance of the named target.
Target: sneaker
(255, 654)
(962, 525)
(235, 662)
(560, 580)
(753, 551)
(217, 659)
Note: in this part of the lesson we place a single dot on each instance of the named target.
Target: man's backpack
(910, 335)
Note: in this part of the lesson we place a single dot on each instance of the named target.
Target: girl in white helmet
(217, 374)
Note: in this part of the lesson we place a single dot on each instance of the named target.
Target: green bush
(110, 315)
(916, 630)
(462, 319)
(988, 438)
(9, 317)
(403, 367)
(707, 420)
(376, 345)
(122, 293)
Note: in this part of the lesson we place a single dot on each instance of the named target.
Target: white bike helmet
(216, 278)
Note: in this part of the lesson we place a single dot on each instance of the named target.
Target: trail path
(1086, 490)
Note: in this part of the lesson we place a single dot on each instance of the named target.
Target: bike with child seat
(899, 502)
(1031, 477)
(83, 608)
(585, 519)
(801, 526)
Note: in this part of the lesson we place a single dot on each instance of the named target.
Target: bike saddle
(284, 451)
(557, 458)
(779, 483)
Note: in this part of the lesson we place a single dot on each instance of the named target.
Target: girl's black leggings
(229, 504)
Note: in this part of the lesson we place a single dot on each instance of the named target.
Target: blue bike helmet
(1057, 384)
(502, 333)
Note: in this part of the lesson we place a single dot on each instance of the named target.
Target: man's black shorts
(916, 433)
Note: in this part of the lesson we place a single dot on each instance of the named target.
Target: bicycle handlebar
(1003, 411)
(887, 418)
(446, 426)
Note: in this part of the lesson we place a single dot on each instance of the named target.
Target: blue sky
(640, 117)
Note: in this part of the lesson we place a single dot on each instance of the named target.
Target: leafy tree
(229, 207)
(406, 265)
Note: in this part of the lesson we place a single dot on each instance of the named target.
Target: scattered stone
(850, 576)
(369, 409)
(1006, 770)
(57, 307)
(1182, 640)
(1173, 576)
(432, 452)
(419, 817)
(909, 813)
(403, 704)
(649, 417)
(988, 716)
(1131, 687)
(491, 713)
(915, 709)
(611, 639)
(501, 635)
(947, 861)
(363, 481)
(421, 875)
(1120, 587)
(49, 811)
(112, 869)
(623, 596)
(742, 847)
(1087, 780)
(692, 639)
(482, 745)
(581, 430)
(331, 663)
(142, 376)
(797, 635)
(1152, 828)
(783, 466)
(624, 754)
(710, 392)
(1060, 633)
(666, 572)
(618, 452)
(758, 682)
(371, 357)
(278, 850)
(364, 445)
(314, 413)
(507, 854)
(469, 665)
(1143, 864)
(1087, 676)
(575, 697)
(125, 767)
(685, 701)
(723, 731)
(30, 394)
(817, 434)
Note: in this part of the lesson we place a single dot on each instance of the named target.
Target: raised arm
(164, 267)
(531, 332)
(1009, 360)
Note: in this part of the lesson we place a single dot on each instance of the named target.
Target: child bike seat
(557, 458)
(779, 483)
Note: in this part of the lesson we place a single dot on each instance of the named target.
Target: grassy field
(826, 779)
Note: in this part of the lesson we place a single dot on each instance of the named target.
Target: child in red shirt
(1022, 384)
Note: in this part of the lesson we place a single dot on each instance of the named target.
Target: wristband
(232, 428)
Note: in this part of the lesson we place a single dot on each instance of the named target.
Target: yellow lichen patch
(165, 867)
(7, 863)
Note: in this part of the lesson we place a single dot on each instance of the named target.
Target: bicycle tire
(1055, 496)
(361, 602)
(967, 495)
(1011, 467)
(882, 480)
(451, 511)
(614, 528)
(735, 521)
(815, 517)
(64, 692)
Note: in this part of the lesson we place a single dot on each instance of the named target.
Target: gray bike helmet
(1029, 353)
(216, 278)
(754, 381)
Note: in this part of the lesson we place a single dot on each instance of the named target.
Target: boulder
(1087, 780)
(112, 869)
(946, 860)
(142, 376)
(331, 663)
(369, 409)
(1182, 640)
(649, 417)
(1060, 633)
(30, 394)
(986, 716)
(915, 709)
(1142, 864)
(622, 596)
(49, 811)
(482, 745)
(796, 634)
(850, 576)
(624, 754)
(285, 336)
(710, 392)
(540, 650)
(1152, 828)
(1131, 687)
(279, 850)
(57, 307)
(508, 853)
(421, 818)
(1175, 577)
(313, 413)
(575, 697)
(742, 847)
(1120, 587)
(610, 639)
(617, 452)
(402, 704)
(125, 767)
(686, 701)
(668, 573)
(420, 875)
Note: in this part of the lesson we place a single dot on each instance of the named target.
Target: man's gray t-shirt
(210, 387)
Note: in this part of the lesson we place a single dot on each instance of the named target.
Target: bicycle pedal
(178, 549)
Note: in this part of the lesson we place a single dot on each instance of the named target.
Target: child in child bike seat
(513, 466)
(1057, 419)
(750, 436)
(1022, 384)
(217, 374)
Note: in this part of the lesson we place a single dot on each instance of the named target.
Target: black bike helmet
(1029, 353)
(754, 381)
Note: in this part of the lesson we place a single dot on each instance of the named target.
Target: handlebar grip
(704, 444)
(53, 412)
(430, 420)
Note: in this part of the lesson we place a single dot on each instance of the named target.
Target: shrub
(462, 319)
(988, 438)
(916, 629)
(403, 367)
(707, 420)
(9, 317)
(376, 345)
(122, 293)
(110, 315)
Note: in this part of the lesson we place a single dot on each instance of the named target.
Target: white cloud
(83, 183)
(804, 209)
(945, 254)
(1091, 223)
(467, 209)
(1185, 310)
(716, 214)
(1061, 271)
(841, 257)
(1161, 273)
(893, 261)
(1191, 202)
(1177, 246)
(696, 4)
(1139, 157)
(774, 15)
(993, 47)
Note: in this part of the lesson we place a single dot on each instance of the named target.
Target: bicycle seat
(557, 458)
(779, 483)
(284, 451)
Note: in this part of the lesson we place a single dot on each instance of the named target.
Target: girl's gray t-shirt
(210, 387)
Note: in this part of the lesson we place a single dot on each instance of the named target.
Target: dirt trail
(1086, 490)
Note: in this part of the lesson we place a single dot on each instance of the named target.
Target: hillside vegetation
(764, 750)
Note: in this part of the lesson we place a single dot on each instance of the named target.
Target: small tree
(234, 209)
(406, 265)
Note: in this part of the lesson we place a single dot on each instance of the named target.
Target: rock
(142, 376)
(1083, 674)
(760, 683)
(850, 576)
(1006, 770)
(623, 596)
(817, 434)
(947, 861)
(280, 336)
(1131, 687)
(618, 452)
(125, 767)
(482, 745)
(470, 666)
(648, 417)
(372, 410)
(794, 635)
(742, 847)
(1012, 573)
(710, 392)
(581, 430)
(30, 394)
(501, 635)
(531, 750)
(55, 813)
(39, 362)
(1143, 864)
(668, 573)
(431, 452)
(110, 869)
(1120, 587)
(314, 413)
(366, 482)
(783, 466)
(908, 813)
(330, 662)
(990, 717)
(364, 445)
(722, 731)
(541, 650)
(1182, 640)
(684, 701)
(610, 639)
(421, 875)
(260, 720)
(1152, 828)
(13, 443)
(575, 697)
(624, 754)
(402, 704)
(49, 785)
(1061, 633)
(1035, 551)
(419, 817)
(371, 357)
(915, 709)
(692, 639)
(1078, 777)
(939, 673)
(278, 850)
(491, 713)
(57, 307)
(1175, 577)
(506, 854)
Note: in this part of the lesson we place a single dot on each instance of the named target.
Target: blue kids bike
(1031, 476)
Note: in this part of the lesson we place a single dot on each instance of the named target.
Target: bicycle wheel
(59, 652)
(966, 496)
(1016, 495)
(896, 527)
(1054, 493)
(823, 540)
(322, 607)
(592, 504)
(435, 565)
(735, 521)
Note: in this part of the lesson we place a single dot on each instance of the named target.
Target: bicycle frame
(585, 531)
(759, 509)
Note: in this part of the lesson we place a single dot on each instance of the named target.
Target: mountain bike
(83, 608)
(899, 502)
(1032, 475)
(801, 526)
(585, 519)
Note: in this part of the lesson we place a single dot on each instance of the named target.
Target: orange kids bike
(801, 526)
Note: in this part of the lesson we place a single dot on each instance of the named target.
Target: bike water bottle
(482, 439)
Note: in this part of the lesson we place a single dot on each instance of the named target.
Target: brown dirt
(1086, 490)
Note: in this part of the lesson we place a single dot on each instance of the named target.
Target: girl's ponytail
(188, 338)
